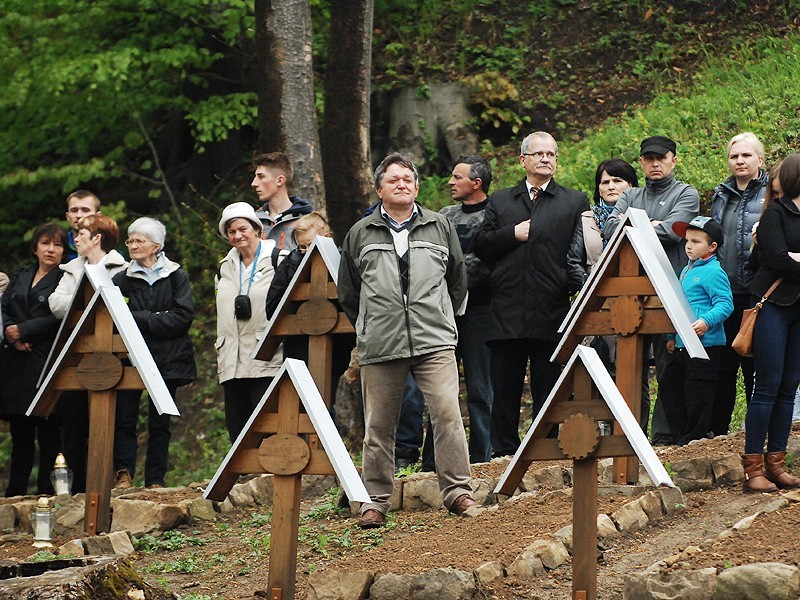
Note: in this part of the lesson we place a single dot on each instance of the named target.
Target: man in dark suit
(531, 238)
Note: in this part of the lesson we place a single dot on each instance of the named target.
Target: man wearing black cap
(666, 201)
(687, 391)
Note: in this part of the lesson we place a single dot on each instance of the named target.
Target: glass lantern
(42, 524)
(61, 476)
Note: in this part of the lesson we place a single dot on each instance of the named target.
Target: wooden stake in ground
(632, 292)
(97, 339)
(583, 397)
(275, 440)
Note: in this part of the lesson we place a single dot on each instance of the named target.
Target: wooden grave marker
(96, 334)
(310, 307)
(632, 292)
(273, 442)
(583, 396)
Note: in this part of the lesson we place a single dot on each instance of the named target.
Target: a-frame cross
(632, 292)
(310, 307)
(583, 396)
(274, 440)
(97, 334)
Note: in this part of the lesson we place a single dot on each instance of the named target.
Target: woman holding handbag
(776, 339)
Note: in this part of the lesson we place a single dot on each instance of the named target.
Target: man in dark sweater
(469, 185)
(531, 238)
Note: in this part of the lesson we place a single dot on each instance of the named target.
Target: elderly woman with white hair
(736, 204)
(160, 300)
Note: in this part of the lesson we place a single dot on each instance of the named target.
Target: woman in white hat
(243, 279)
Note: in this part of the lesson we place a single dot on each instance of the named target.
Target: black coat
(27, 308)
(164, 311)
(778, 234)
(532, 281)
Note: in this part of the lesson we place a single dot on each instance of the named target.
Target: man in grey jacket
(666, 201)
(401, 281)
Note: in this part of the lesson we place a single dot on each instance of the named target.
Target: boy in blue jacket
(687, 390)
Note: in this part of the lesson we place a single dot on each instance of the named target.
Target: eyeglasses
(541, 155)
(130, 242)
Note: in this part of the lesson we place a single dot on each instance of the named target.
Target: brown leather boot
(776, 473)
(754, 479)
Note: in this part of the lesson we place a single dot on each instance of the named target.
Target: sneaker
(123, 481)
(154, 486)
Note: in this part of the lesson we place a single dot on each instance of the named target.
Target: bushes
(755, 89)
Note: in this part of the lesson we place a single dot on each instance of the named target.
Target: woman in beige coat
(243, 280)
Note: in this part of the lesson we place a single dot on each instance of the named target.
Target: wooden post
(283, 536)
(629, 372)
(584, 528)
(100, 466)
(584, 396)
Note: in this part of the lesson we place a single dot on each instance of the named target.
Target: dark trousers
(660, 430)
(410, 430)
(730, 362)
(687, 393)
(25, 431)
(473, 333)
(158, 436)
(74, 410)
(509, 362)
(241, 397)
(776, 356)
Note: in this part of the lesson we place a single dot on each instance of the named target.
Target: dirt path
(229, 558)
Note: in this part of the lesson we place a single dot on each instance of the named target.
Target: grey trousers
(382, 384)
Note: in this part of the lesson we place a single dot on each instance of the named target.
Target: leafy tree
(137, 99)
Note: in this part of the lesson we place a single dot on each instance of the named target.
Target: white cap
(238, 210)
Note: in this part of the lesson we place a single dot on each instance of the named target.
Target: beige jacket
(237, 340)
(61, 299)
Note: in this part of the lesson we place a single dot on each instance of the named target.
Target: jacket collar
(168, 267)
(788, 205)
(661, 184)
(424, 215)
(755, 183)
(521, 189)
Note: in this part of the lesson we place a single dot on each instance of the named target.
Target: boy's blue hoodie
(709, 293)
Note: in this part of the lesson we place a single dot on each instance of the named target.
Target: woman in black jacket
(776, 339)
(29, 329)
(160, 300)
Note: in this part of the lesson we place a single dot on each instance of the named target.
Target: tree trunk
(345, 127)
(286, 108)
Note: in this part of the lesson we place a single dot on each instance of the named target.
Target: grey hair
(748, 137)
(536, 135)
(479, 168)
(152, 229)
(394, 159)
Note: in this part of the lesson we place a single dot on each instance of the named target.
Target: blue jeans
(776, 357)
(473, 333)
